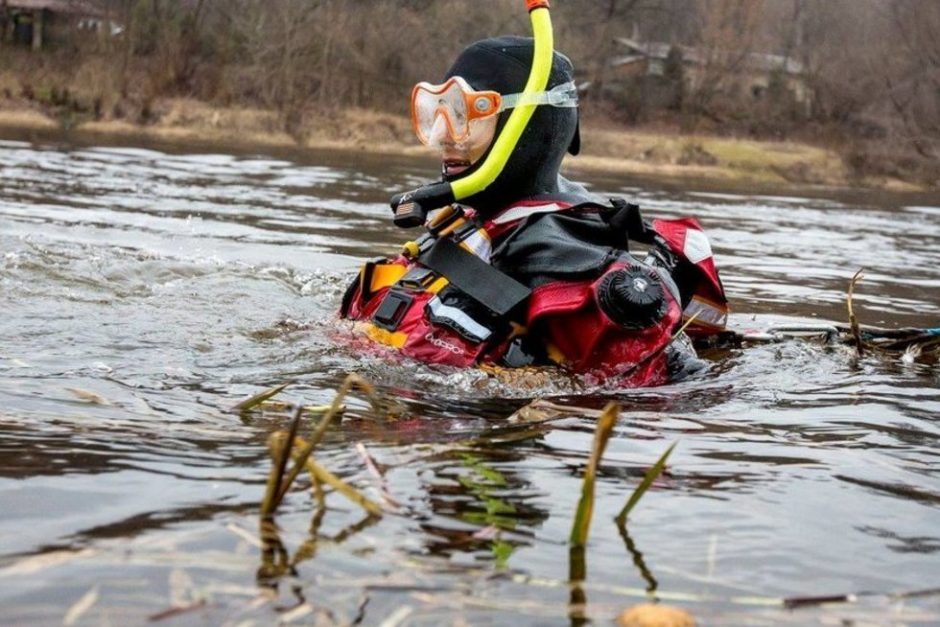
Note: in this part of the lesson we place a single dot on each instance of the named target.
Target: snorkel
(411, 208)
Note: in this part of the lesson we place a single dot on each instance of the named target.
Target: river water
(144, 292)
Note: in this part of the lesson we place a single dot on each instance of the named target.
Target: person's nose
(440, 134)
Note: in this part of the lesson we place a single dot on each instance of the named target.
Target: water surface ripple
(146, 291)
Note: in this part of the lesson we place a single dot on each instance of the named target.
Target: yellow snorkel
(411, 208)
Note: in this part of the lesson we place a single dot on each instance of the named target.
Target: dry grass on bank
(711, 157)
(643, 153)
(347, 128)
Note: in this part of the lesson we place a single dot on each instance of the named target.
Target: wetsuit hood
(502, 64)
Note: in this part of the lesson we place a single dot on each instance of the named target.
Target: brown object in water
(853, 321)
(650, 615)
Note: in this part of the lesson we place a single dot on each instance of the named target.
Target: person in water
(532, 270)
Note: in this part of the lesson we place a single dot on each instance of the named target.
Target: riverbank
(637, 152)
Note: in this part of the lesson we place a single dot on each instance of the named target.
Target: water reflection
(144, 292)
(477, 501)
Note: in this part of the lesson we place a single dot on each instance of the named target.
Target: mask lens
(433, 105)
(453, 104)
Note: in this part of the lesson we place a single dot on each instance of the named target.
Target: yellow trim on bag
(382, 336)
(435, 287)
(384, 275)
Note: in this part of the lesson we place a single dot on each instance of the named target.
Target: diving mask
(453, 110)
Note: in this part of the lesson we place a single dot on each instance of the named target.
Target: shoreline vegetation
(649, 153)
(743, 93)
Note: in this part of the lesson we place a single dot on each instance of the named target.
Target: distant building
(753, 75)
(36, 23)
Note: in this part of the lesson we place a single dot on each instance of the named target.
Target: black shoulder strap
(624, 217)
(495, 290)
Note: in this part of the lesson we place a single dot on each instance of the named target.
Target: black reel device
(634, 297)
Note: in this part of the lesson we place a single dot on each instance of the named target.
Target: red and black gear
(581, 300)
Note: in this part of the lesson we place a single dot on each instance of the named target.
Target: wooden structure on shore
(750, 73)
(34, 22)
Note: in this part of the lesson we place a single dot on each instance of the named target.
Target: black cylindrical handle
(411, 208)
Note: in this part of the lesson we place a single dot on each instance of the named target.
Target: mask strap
(564, 95)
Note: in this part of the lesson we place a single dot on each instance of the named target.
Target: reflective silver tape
(479, 244)
(459, 318)
(517, 213)
(706, 313)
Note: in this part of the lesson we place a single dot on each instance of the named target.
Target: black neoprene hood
(502, 64)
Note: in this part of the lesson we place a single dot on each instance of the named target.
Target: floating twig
(88, 396)
(85, 603)
(257, 399)
(794, 602)
(685, 325)
(913, 594)
(299, 611)
(369, 462)
(284, 406)
(244, 535)
(541, 410)
(582, 518)
(172, 612)
(373, 469)
(641, 489)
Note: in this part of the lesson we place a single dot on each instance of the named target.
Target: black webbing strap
(624, 217)
(495, 290)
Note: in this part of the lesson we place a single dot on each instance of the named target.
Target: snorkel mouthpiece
(411, 208)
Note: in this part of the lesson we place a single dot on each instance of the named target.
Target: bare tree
(728, 36)
(872, 67)
(912, 78)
